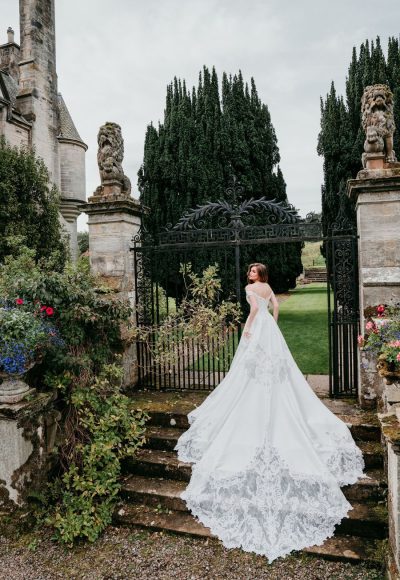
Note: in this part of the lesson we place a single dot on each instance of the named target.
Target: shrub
(199, 318)
(29, 207)
(26, 333)
(99, 427)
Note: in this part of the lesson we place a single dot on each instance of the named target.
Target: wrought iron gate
(159, 286)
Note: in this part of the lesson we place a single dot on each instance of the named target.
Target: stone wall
(378, 219)
(16, 135)
(27, 437)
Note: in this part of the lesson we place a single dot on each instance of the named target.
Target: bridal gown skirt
(269, 457)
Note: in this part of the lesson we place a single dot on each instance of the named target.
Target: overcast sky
(115, 58)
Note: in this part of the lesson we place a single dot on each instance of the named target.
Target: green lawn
(303, 320)
(311, 256)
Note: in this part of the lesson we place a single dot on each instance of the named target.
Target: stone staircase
(315, 274)
(154, 480)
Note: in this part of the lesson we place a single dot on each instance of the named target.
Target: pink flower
(43, 308)
(49, 311)
(395, 343)
(360, 340)
(369, 325)
(19, 301)
(398, 357)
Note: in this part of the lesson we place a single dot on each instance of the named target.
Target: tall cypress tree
(205, 139)
(341, 139)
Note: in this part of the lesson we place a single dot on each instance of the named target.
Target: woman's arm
(275, 304)
(251, 316)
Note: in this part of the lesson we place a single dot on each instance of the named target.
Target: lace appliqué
(266, 509)
(346, 462)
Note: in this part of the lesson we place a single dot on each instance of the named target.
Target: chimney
(10, 35)
(10, 55)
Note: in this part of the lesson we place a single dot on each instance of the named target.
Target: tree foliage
(341, 138)
(28, 206)
(208, 136)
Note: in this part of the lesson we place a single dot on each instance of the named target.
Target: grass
(303, 320)
(311, 256)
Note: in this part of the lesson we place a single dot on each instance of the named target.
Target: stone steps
(361, 429)
(165, 438)
(154, 479)
(366, 520)
(165, 464)
(316, 274)
(352, 549)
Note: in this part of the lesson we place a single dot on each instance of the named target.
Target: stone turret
(72, 171)
(33, 113)
(37, 96)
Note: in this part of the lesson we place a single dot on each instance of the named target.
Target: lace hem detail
(266, 509)
(345, 461)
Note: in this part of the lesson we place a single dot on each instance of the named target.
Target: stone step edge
(160, 432)
(340, 548)
(141, 490)
(178, 419)
(157, 437)
(170, 458)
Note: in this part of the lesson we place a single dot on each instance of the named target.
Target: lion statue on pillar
(378, 122)
(110, 156)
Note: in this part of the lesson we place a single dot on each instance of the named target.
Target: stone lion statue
(378, 121)
(110, 156)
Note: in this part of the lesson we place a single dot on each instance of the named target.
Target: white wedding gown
(269, 456)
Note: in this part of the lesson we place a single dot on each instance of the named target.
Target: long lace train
(269, 458)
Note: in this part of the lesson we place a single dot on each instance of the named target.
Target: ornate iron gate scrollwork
(226, 227)
(343, 305)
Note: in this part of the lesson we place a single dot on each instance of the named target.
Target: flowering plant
(25, 334)
(382, 338)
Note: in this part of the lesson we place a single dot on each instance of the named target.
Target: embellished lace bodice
(263, 303)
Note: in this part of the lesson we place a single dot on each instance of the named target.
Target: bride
(269, 457)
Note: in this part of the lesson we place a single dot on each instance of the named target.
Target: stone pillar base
(114, 219)
(27, 433)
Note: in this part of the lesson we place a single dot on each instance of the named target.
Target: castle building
(33, 112)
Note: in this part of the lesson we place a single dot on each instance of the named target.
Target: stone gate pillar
(114, 218)
(377, 196)
(376, 192)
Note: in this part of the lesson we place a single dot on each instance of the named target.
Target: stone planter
(13, 388)
(389, 371)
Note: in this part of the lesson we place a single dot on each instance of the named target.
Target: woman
(269, 457)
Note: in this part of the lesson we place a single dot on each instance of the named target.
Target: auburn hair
(262, 271)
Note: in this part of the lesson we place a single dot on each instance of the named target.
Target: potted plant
(382, 338)
(26, 333)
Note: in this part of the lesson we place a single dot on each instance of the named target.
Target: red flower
(380, 309)
(49, 311)
(19, 301)
(43, 308)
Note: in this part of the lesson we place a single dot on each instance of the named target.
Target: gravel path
(124, 553)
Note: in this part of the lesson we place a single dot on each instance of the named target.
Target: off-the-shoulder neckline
(248, 291)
